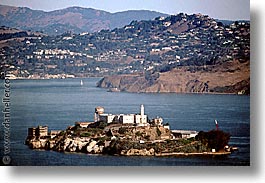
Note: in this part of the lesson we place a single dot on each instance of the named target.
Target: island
(129, 135)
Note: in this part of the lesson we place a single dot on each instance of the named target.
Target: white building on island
(137, 119)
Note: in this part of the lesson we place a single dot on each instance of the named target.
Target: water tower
(98, 110)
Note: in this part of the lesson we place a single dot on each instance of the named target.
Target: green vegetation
(147, 137)
(124, 140)
(138, 134)
(204, 142)
(95, 131)
(102, 125)
(185, 141)
(158, 132)
(215, 139)
(85, 134)
(180, 145)
(122, 130)
(101, 140)
(62, 133)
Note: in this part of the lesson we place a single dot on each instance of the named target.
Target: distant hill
(179, 53)
(74, 19)
(228, 22)
(229, 77)
(10, 35)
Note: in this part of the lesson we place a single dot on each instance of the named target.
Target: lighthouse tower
(141, 118)
(142, 111)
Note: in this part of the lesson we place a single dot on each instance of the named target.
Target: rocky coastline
(123, 140)
(227, 78)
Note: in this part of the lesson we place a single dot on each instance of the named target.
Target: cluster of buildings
(133, 48)
(38, 131)
(129, 120)
(99, 116)
(139, 120)
(41, 132)
(56, 53)
(134, 119)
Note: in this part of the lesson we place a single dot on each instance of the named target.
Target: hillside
(74, 19)
(230, 77)
(195, 50)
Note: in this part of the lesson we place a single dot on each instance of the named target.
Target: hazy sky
(221, 9)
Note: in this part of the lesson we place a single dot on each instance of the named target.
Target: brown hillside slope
(230, 77)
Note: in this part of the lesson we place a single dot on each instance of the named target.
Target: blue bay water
(60, 103)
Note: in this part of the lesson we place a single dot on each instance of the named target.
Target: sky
(220, 9)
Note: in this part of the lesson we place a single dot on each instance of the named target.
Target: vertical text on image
(6, 123)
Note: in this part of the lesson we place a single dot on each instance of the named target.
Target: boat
(231, 148)
(81, 82)
(114, 90)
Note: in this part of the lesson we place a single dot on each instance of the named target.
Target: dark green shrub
(122, 130)
(85, 134)
(158, 132)
(102, 125)
(138, 133)
(214, 139)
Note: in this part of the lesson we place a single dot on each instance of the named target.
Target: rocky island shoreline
(125, 137)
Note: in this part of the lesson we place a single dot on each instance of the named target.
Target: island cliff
(131, 141)
(229, 77)
(120, 136)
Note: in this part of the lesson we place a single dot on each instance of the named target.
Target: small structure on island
(157, 121)
(184, 133)
(83, 124)
(98, 111)
(53, 133)
(216, 125)
(40, 131)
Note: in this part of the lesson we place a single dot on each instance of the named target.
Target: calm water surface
(59, 103)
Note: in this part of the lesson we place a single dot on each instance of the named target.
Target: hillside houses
(180, 40)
